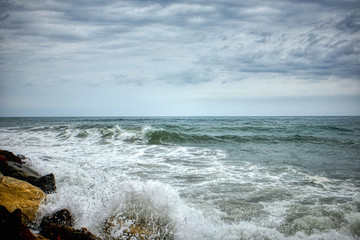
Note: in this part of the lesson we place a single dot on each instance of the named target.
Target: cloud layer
(208, 50)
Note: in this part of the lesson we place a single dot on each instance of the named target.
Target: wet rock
(23, 172)
(60, 226)
(12, 226)
(3, 163)
(22, 157)
(20, 171)
(10, 157)
(62, 218)
(54, 231)
(46, 183)
(39, 237)
(15, 193)
(128, 229)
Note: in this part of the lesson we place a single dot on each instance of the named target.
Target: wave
(337, 129)
(163, 136)
(101, 133)
(195, 181)
(162, 213)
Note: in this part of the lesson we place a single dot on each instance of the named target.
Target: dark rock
(10, 157)
(22, 157)
(59, 226)
(23, 172)
(20, 171)
(3, 163)
(46, 183)
(54, 231)
(12, 226)
(62, 218)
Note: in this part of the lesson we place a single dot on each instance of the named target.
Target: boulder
(59, 226)
(62, 218)
(129, 229)
(54, 231)
(22, 157)
(15, 193)
(12, 227)
(46, 183)
(10, 157)
(3, 163)
(20, 171)
(23, 172)
(39, 237)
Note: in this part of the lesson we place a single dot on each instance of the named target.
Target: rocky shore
(22, 190)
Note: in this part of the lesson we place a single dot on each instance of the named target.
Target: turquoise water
(201, 177)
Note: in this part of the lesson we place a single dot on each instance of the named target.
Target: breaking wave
(160, 136)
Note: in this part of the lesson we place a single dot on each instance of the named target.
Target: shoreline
(20, 200)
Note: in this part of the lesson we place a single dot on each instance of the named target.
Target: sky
(179, 58)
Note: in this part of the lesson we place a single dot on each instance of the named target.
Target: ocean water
(199, 177)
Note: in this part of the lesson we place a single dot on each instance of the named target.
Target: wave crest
(161, 136)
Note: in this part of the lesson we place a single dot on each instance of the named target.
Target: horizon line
(175, 116)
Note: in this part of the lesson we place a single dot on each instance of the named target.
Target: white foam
(319, 180)
(186, 186)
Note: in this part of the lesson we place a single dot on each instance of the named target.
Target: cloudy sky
(201, 57)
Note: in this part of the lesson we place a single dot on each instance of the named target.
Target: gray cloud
(256, 34)
(181, 43)
(4, 17)
(350, 23)
(191, 76)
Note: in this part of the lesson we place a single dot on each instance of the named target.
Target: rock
(39, 237)
(46, 183)
(22, 157)
(128, 229)
(10, 157)
(20, 171)
(12, 226)
(3, 163)
(15, 193)
(23, 172)
(62, 218)
(54, 231)
(60, 226)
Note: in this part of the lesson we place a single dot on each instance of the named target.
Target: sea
(198, 177)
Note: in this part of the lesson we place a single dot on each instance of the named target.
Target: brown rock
(17, 194)
(54, 231)
(39, 237)
(12, 226)
(130, 229)
(59, 227)
(3, 163)
(10, 157)
(62, 218)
